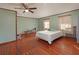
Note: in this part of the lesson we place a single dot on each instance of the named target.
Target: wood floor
(28, 45)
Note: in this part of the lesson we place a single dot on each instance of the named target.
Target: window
(65, 22)
(46, 24)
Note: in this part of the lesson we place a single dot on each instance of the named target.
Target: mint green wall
(75, 15)
(40, 24)
(75, 21)
(24, 24)
(54, 23)
(7, 25)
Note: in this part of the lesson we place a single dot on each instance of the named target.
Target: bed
(48, 35)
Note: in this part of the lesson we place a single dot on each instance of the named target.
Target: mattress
(48, 35)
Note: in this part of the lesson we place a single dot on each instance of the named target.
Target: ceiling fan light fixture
(26, 11)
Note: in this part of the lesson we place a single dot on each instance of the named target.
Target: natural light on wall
(65, 26)
(46, 24)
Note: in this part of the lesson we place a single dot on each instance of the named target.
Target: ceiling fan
(26, 8)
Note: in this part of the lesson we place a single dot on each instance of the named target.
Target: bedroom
(27, 28)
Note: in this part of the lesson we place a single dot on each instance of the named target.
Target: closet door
(7, 25)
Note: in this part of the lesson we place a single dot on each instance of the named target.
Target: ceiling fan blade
(23, 11)
(20, 8)
(33, 8)
(24, 6)
(31, 11)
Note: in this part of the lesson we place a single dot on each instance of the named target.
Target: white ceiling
(43, 9)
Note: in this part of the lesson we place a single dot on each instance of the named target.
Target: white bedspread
(48, 35)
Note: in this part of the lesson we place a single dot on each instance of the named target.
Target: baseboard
(7, 42)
